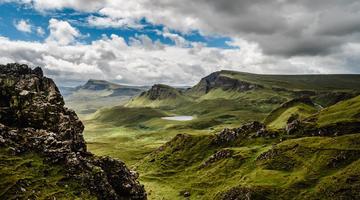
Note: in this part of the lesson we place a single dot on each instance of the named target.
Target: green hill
(305, 144)
(159, 95)
(318, 82)
(344, 111)
(270, 164)
(296, 108)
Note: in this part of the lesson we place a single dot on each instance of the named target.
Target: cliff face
(159, 92)
(217, 80)
(33, 119)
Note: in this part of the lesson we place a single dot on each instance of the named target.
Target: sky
(143, 42)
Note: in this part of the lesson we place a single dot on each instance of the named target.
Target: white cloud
(285, 28)
(107, 22)
(288, 41)
(176, 38)
(23, 26)
(62, 32)
(40, 31)
(112, 58)
(81, 5)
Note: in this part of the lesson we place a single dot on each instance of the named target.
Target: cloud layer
(281, 27)
(282, 36)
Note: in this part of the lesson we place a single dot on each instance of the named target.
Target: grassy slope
(278, 118)
(29, 177)
(120, 115)
(143, 101)
(345, 111)
(124, 137)
(301, 82)
(130, 133)
(304, 168)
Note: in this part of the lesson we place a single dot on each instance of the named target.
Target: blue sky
(144, 42)
(12, 13)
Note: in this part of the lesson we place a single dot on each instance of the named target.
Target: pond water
(179, 118)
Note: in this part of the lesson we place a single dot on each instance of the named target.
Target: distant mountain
(251, 137)
(311, 82)
(66, 91)
(93, 84)
(159, 95)
(117, 90)
(95, 94)
(325, 89)
(220, 80)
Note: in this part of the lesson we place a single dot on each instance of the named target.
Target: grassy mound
(30, 177)
(279, 117)
(159, 96)
(344, 111)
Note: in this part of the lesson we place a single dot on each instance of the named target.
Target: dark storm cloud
(281, 27)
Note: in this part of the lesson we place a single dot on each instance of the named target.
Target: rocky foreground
(33, 119)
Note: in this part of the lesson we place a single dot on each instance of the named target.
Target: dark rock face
(33, 118)
(217, 80)
(230, 135)
(245, 193)
(159, 92)
(305, 128)
(219, 155)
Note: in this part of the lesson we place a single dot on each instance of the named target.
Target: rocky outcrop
(218, 80)
(247, 193)
(219, 155)
(252, 129)
(304, 128)
(33, 119)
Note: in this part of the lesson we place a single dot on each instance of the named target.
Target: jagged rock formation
(245, 193)
(305, 128)
(33, 119)
(217, 80)
(219, 155)
(252, 129)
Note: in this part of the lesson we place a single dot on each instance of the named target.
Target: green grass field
(284, 167)
(30, 177)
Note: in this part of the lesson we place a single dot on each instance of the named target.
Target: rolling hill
(256, 162)
(159, 95)
(252, 135)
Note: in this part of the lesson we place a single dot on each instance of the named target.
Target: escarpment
(160, 91)
(217, 80)
(33, 119)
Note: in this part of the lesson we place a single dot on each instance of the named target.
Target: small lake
(179, 118)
